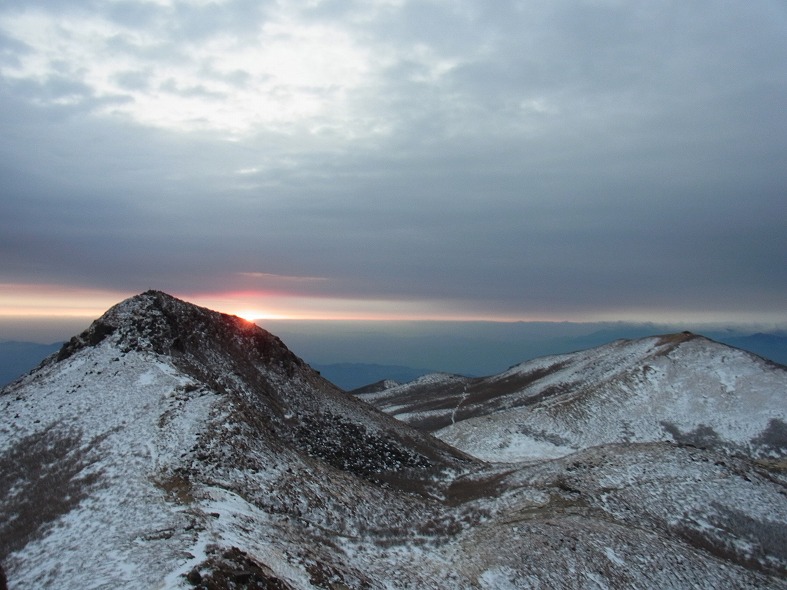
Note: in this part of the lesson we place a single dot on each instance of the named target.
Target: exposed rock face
(170, 446)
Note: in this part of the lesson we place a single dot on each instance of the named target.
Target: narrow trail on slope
(461, 401)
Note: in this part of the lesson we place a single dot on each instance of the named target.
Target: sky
(553, 160)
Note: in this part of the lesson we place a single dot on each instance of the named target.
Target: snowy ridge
(682, 388)
(170, 446)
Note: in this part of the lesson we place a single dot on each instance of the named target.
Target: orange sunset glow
(42, 301)
(24, 302)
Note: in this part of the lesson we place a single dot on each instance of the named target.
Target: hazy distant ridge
(17, 358)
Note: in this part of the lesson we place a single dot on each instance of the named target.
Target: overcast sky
(397, 158)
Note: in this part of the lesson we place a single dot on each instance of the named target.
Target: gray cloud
(521, 159)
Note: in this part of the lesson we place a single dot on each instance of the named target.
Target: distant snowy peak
(678, 387)
(373, 388)
(392, 397)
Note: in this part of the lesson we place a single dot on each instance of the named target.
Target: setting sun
(250, 315)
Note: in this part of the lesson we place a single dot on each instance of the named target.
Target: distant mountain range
(170, 446)
(17, 358)
(771, 346)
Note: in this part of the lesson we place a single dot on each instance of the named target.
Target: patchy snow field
(132, 420)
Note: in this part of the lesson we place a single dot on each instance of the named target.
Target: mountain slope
(169, 446)
(680, 387)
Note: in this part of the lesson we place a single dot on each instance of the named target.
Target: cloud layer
(517, 160)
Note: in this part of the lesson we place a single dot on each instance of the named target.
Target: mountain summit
(171, 446)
